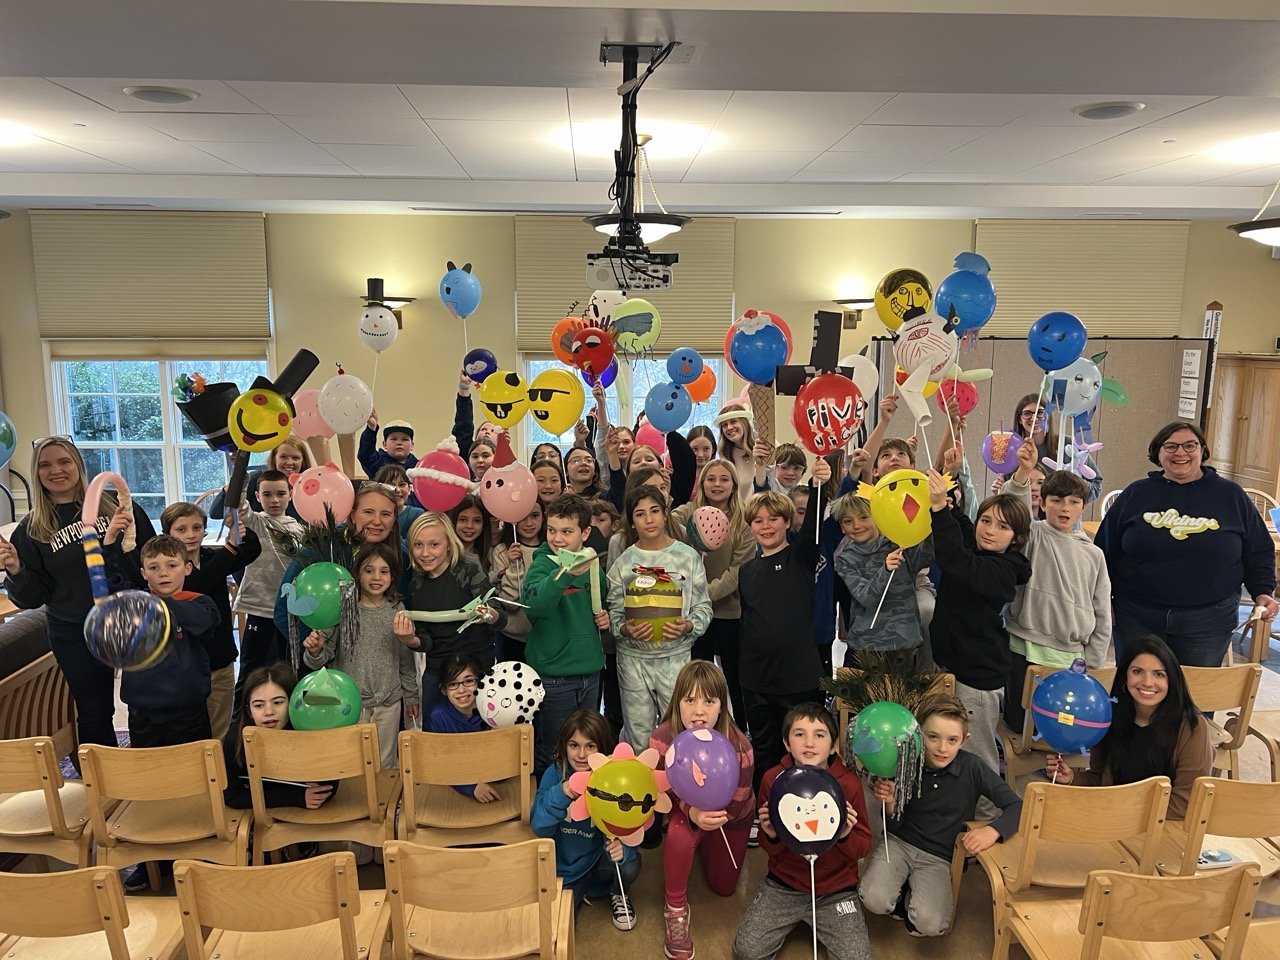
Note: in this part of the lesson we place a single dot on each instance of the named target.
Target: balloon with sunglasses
(623, 793)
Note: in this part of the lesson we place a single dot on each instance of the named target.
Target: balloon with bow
(318, 488)
(621, 793)
(460, 290)
(902, 295)
(703, 768)
(307, 422)
(967, 296)
(807, 809)
(827, 413)
(441, 479)
(1071, 709)
(1056, 340)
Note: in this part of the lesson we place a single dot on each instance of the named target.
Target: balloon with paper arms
(474, 612)
(1075, 458)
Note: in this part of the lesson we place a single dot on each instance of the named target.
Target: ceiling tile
(327, 99)
(38, 94)
(398, 161)
(847, 167)
(279, 159)
(215, 96)
(957, 109)
(167, 157)
(697, 107)
(225, 127)
(1010, 149)
(508, 149)
(1261, 177)
(1057, 112)
(46, 157)
(923, 143)
(542, 104)
(674, 144)
(747, 166)
(790, 122)
(402, 131)
(1179, 172)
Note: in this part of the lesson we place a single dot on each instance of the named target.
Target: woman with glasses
(1032, 421)
(46, 567)
(1179, 543)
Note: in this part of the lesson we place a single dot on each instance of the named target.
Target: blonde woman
(738, 441)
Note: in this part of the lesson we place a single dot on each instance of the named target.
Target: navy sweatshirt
(210, 578)
(179, 681)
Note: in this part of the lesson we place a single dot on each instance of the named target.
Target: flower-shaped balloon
(621, 793)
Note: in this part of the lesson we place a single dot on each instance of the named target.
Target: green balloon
(324, 700)
(876, 734)
(318, 593)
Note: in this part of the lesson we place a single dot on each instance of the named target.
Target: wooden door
(1257, 458)
(1224, 414)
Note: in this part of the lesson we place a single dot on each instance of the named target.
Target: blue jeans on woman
(1198, 636)
(91, 681)
(564, 695)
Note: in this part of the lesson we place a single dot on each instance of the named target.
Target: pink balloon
(509, 492)
(307, 422)
(651, 436)
(966, 395)
(314, 488)
(711, 526)
(441, 478)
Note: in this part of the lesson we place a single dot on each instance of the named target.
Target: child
(210, 568)
(658, 580)
(1064, 611)
(605, 517)
(738, 441)
(471, 522)
(480, 456)
(397, 478)
(784, 897)
(546, 451)
(260, 642)
(789, 465)
(703, 444)
(582, 472)
(981, 571)
(168, 701)
(550, 480)
(397, 446)
(781, 664)
(456, 712)
(800, 506)
(444, 580)
(266, 704)
(579, 843)
(509, 561)
(868, 562)
(914, 883)
(698, 701)
(366, 645)
(564, 638)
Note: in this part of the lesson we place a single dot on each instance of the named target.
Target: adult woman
(1156, 730)
(1178, 544)
(290, 457)
(45, 564)
(1031, 422)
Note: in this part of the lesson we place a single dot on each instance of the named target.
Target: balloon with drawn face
(319, 487)
(562, 338)
(621, 793)
(603, 303)
(900, 506)
(378, 327)
(925, 340)
(259, 420)
(1056, 340)
(902, 295)
(827, 413)
(510, 694)
(508, 490)
(479, 364)
(460, 290)
(668, 406)
(806, 809)
(591, 349)
(1076, 388)
(556, 398)
(684, 366)
(505, 398)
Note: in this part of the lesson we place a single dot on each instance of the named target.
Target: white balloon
(865, 376)
(378, 327)
(925, 341)
(345, 403)
(1081, 386)
(603, 303)
(510, 693)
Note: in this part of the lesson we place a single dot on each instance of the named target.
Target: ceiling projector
(637, 269)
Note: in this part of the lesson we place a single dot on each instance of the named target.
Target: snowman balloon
(378, 327)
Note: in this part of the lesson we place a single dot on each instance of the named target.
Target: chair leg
(1003, 937)
(153, 876)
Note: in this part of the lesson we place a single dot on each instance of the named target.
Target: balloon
(900, 506)
(650, 436)
(378, 327)
(259, 420)
(1071, 710)
(966, 395)
(902, 295)
(324, 700)
(307, 422)
(806, 809)
(128, 630)
(1000, 451)
(827, 413)
(505, 398)
(736, 325)
(879, 731)
(636, 326)
(562, 338)
(479, 364)
(315, 596)
(925, 341)
(322, 486)
(621, 797)
(707, 529)
(900, 377)
(866, 375)
(510, 693)
(508, 489)
(603, 303)
(668, 406)
(441, 479)
(654, 597)
(345, 403)
(703, 768)
(460, 290)
(8, 439)
(556, 399)
(704, 387)
(685, 365)
(757, 355)
(591, 349)
(1056, 340)
(966, 297)
(1076, 388)
(606, 379)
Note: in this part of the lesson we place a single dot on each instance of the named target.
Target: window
(123, 418)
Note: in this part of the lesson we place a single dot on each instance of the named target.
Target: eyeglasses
(1190, 446)
(1028, 414)
(467, 684)
(40, 441)
(626, 803)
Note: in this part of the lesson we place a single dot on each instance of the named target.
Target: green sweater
(564, 640)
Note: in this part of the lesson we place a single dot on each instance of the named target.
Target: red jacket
(835, 870)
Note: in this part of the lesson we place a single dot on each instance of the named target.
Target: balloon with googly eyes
(807, 809)
(591, 349)
(510, 694)
(378, 327)
(1076, 388)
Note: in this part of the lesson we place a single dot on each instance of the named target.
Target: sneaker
(136, 880)
(624, 917)
(677, 942)
(753, 838)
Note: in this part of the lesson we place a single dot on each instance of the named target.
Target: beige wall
(1240, 275)
(22, 381)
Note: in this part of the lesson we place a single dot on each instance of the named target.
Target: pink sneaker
(678, 942)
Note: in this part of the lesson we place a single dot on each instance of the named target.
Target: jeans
(92, 683)
(603, 877)
(564, 695)
(170, 728)
(1198, 636)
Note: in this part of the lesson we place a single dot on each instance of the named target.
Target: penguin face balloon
(807, 809)
(378, 327)
(504, 398)
(592, 350)
(259, 420)
(900, 506)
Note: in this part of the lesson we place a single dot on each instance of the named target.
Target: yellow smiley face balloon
(504, 398)
(900, 506)
(556, 398)
(621, 797)
(259, 420)
(902, 294)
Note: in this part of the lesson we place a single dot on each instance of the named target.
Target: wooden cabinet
(1244, 420)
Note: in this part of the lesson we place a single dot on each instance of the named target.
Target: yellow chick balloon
(259, 420)
(900, 506)
(556, 399)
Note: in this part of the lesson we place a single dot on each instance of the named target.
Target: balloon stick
(1039, 396)
(882, 596)
(374, 386)
(732, 858)
(884, 822)
(924, 442)
(813, 901)
(466, 338)
(621, 889)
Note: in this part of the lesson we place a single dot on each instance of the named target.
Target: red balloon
(966, 395)
(591, 349)
(827, 413)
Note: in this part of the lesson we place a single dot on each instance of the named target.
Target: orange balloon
(900, 377)
(702, 388)
(562, 337)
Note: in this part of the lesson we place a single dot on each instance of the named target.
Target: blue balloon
(684, 365)
(1072, 711)
(606, 379)
(460, 290)
(806, 809)
(479, 364)
(968, 298)
(8, 439)
(668, 406)
(757, 356)
(1056, 340)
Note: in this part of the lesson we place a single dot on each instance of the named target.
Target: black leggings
(722, 640)
(92, 683)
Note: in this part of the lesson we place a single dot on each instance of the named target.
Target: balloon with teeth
(621, 793)
(378, 327)
(505, 398)
(902, 295)
(556, 399)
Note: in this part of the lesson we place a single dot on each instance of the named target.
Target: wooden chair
(170, 805)
(1226, 688)
(1023, 753)
(1066, 833)
(1265, 725)
(362, 810)
(1235, 815)
(41, 813)
(435, 813)
(1159, 918)
(498, 903)
(312, 908)
(1264, 501)
(1107, 500)
(959, 856)
(943, 683)
(82, 915)
(35, 701)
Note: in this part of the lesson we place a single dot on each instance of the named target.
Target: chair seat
(1058, 865)
(440, 806)
(321, 941)
(348, 803)
(27, 815)
(180, 820)
(1049, 928)
(507, 933)
(154, 931)
(1173, 843)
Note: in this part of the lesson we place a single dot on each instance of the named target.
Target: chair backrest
(1264, 501)
(1144, 909)
(499, 878)
(280, 897)
(65, 904)
(1228, 808)
(36, 701)
(1226, 688)
(32, 764)
(1058, 814)
(309, 755)
(447, 759)
(1107, 499)
(1036, 672)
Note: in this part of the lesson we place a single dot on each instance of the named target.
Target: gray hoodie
(861, 567)
(261, 583)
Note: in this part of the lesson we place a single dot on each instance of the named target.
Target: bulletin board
(1151, 370)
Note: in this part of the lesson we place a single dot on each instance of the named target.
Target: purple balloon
(806, 809)
(606, 379)
(703, 769)
(1000, 452)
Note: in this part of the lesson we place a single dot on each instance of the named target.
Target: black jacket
(179, 681)
(210, 578)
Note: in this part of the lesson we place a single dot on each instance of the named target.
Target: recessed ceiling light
(1108, 109)
(1262, 149)
(168, 95)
